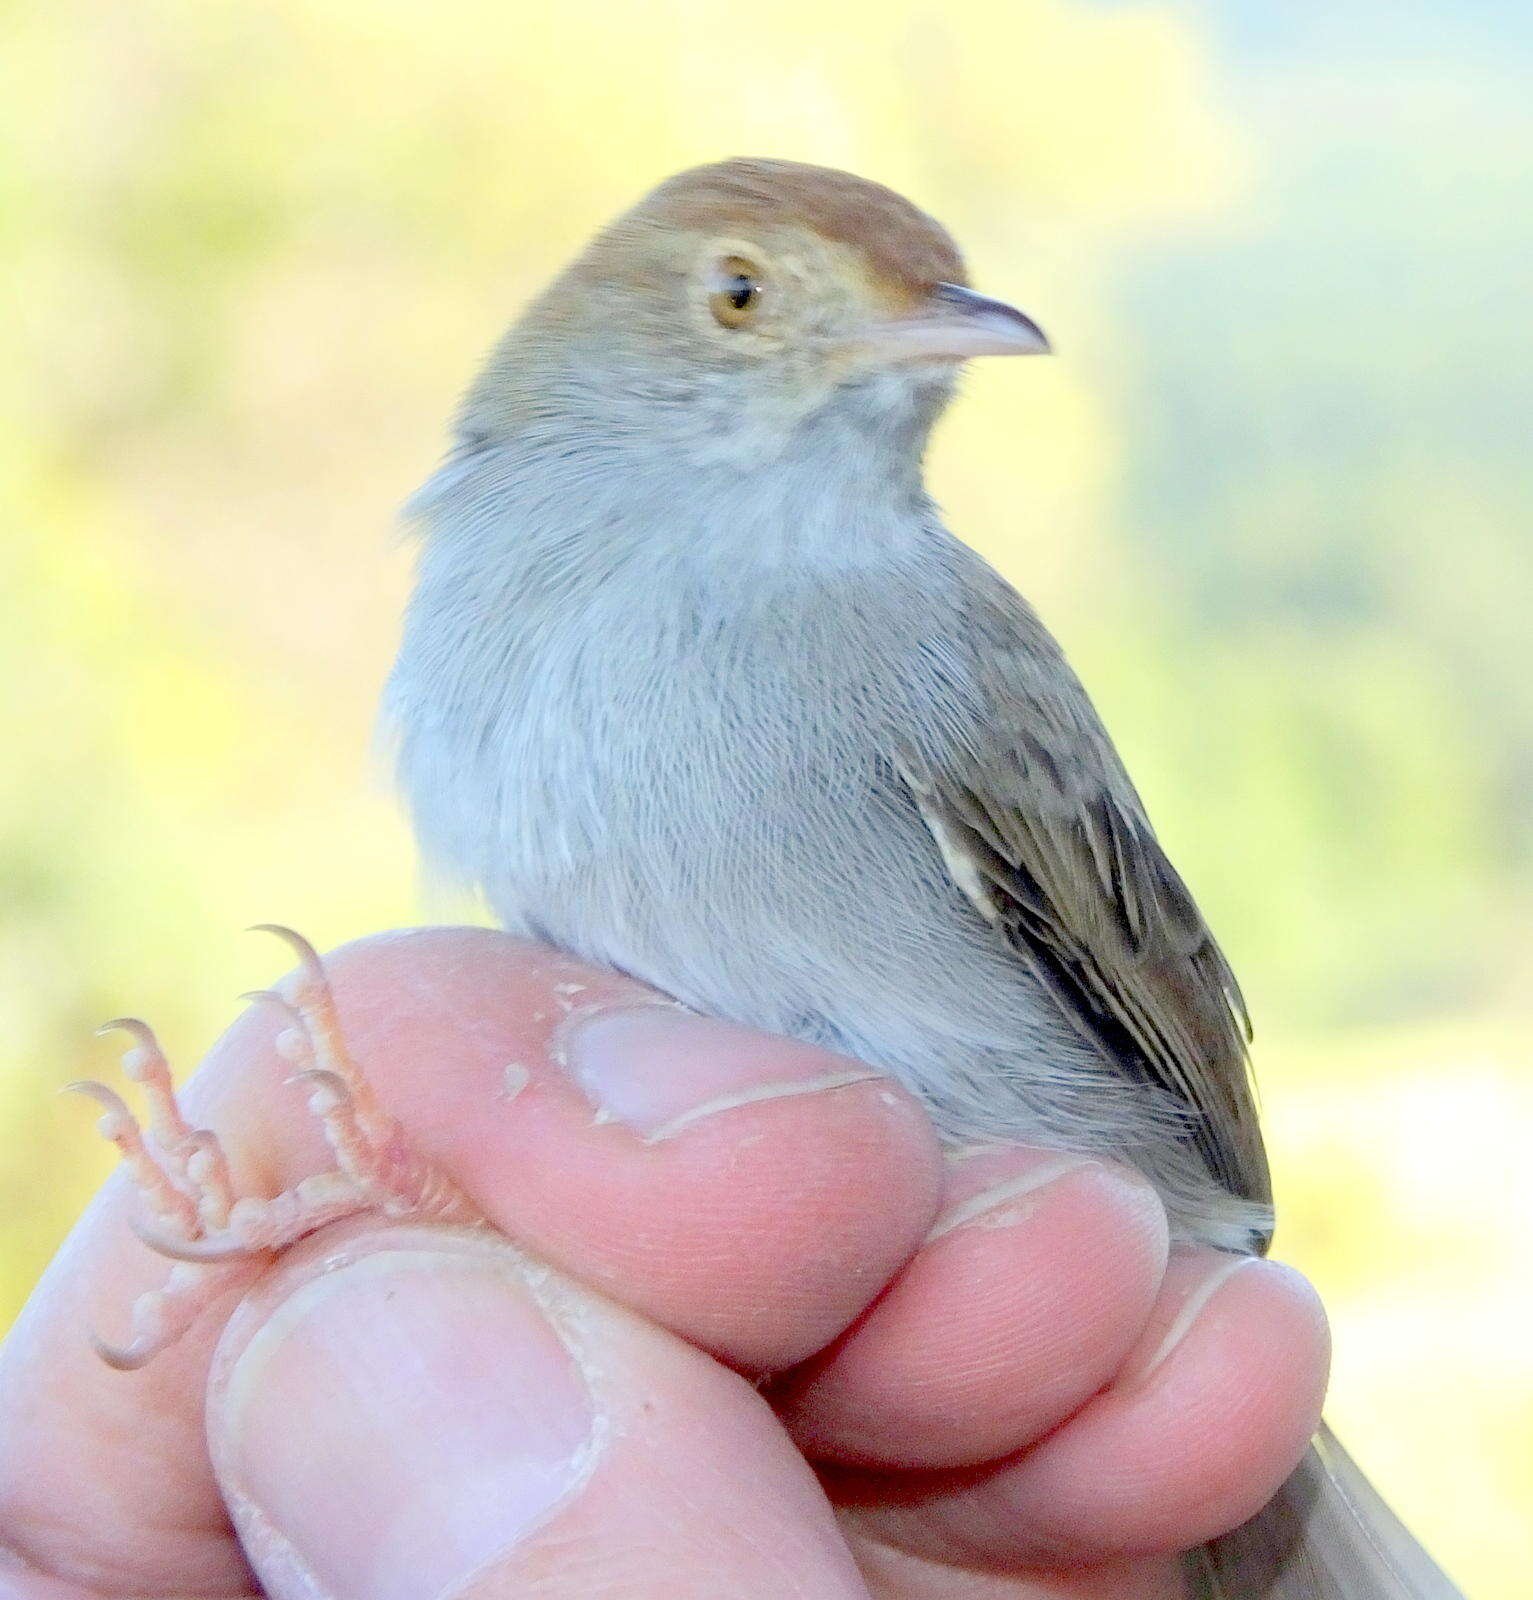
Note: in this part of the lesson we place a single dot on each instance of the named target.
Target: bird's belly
(796, 890)
(767, 866)
(667, 860)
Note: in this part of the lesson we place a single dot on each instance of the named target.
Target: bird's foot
(182, 1173)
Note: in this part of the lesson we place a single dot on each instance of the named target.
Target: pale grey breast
(682, 775)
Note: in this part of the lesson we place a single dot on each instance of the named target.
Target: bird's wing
(1042, 829)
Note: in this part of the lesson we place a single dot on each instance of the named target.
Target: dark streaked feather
(1044, 831)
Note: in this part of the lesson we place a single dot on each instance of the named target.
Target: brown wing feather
(1044, 831)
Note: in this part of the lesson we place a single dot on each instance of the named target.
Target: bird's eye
(736, 291)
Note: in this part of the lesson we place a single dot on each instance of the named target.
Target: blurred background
(1272, 493)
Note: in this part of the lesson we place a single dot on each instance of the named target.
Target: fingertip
(1194, 1439)
(757, 1205)
(1212, 1411)
(1028, 1293)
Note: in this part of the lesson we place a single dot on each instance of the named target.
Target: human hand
(726, 1365)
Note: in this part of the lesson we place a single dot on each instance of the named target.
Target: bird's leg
(183, 1173)
(370, 1149)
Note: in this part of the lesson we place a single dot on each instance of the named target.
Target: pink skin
(1032, 1403)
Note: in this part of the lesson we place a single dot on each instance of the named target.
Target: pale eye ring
(736, 291)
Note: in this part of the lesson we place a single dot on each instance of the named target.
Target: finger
(104, 1477)
(1029, 1293)
(751, 1193)
(413, 1411)
(898, 1575)
(1210, 1413)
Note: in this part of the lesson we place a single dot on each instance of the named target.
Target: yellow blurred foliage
(255, 248)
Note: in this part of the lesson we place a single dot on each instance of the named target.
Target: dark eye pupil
(740, 291)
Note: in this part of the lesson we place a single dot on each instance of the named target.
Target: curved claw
(308, 956)
(200, 1251)
(125, 1357)
(108, 1099)
(272, 997)
(201, 1146)
(142, 1033)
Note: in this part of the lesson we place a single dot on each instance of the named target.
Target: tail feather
(1326, 1535)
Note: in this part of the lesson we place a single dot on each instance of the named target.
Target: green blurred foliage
(1330, 467)
(1272, 494)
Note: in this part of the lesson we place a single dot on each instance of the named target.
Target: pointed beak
(953, 324)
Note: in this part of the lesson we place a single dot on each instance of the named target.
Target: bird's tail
(1326, 1535)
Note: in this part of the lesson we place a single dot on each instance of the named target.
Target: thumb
(417, 1412)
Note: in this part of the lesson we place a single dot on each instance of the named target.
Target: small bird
(696, 684)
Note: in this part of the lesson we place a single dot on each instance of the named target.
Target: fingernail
(660, 1070)
(399, 1421)
(1186, 1298)
(988, 1190)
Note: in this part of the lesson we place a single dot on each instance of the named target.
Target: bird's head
(739, 305)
